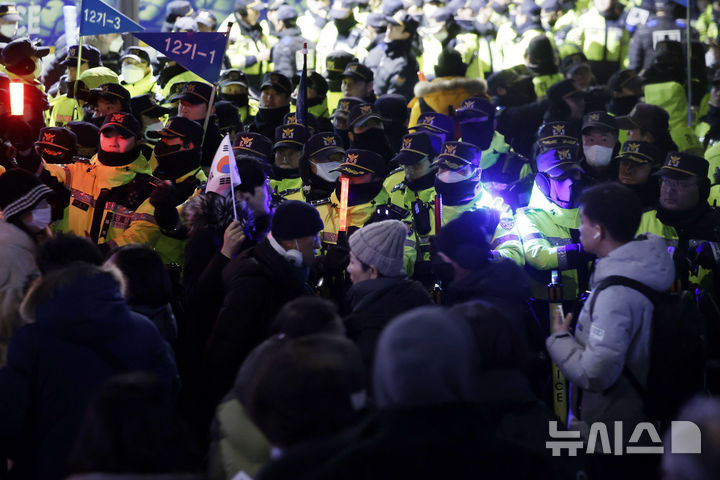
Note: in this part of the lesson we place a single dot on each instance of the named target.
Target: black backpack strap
(652, 295)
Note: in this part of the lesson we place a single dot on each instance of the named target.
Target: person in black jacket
(257, 284)
(78, 333)
(381, 289)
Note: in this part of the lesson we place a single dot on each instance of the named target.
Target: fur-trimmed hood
(474, 86)
(209, 211)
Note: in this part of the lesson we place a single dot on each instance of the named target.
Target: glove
(573, 255)
(164, 199)
(703, 255)
(20, 135)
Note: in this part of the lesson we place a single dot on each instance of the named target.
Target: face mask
(8, 30)
(598, 156)
(240, 100)
(132, 73)
(114, 159)
(116, 44)
(448, 176)
(40, 218)
(565, 193)
(153, 127)
(456, 193)
(162, 149)
(323, 170)
(373, 139)
(175, 164)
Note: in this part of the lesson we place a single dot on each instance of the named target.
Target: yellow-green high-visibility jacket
(288, 188)
(513, 46)
(671, 96)
(329, 41)
(598, 40)
(712, 155)
(541, 83)
(332, 100)
(172, 250)
(357, 215)
(242, 50)
(506, 241)
(417, 247)
(706, 25)
(649, 223)
(186, 76)
(127, 216)
(431, 50)
(545, 228)
(310, 28)
(147, 84)
(63, 110)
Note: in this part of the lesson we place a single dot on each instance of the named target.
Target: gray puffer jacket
(618, 333)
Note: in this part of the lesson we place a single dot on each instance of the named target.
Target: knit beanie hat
(294, 219)
(381, 245)
(465, 239)
(20, 191)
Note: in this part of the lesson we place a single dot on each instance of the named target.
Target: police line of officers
(124, 152)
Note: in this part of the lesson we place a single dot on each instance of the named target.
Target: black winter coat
(373, 303)
(83, 334)
(257, 285)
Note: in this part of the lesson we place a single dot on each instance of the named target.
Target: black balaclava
(173, 163)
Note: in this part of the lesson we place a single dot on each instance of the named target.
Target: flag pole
(77, 76)
(689, 64)
(303, 86)
(212, 94)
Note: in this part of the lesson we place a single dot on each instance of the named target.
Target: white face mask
(116, 44)
(448, 176)
(323, 170)
(40, 218)
(132, 73)
(598, 156)
(8, 30)
(153, 127)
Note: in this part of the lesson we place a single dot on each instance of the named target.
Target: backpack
(677, 350)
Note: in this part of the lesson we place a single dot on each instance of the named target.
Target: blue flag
(97, 18)
(200, 52)
(301, 107)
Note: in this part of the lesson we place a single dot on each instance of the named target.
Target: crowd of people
(479, 202)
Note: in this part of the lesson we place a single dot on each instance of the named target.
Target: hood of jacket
(209, 211)
(476, 87)
(83, 308)
(646, 261)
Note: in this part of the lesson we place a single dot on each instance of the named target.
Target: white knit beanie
(381, 245)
